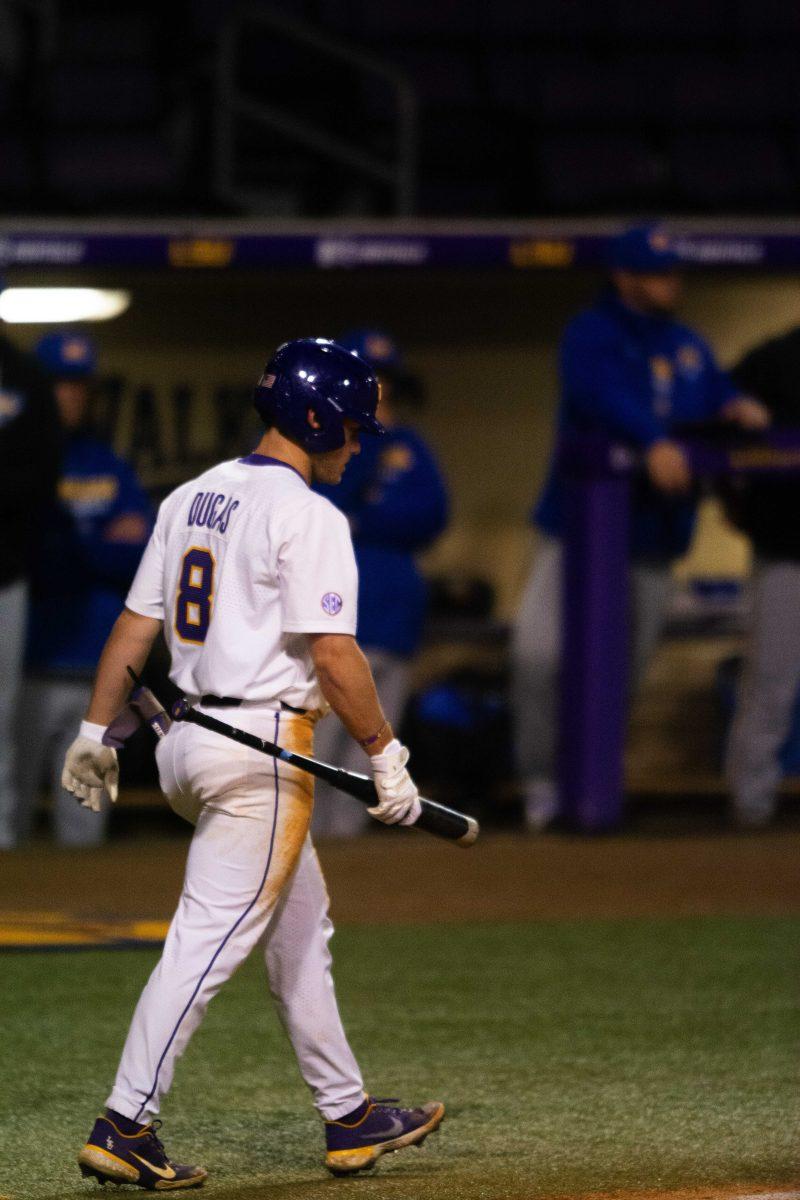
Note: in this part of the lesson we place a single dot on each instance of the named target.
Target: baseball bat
(434, 818)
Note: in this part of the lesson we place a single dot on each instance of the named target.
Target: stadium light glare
(43, 305)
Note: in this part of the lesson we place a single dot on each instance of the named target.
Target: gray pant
(49, 718)
(536, 653)
(767, 692)
(13, 610)
(335, 814)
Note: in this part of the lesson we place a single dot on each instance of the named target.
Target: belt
(232, 702)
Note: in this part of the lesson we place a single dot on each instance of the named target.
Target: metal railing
(233, 105)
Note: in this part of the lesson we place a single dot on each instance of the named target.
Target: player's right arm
(346, 682)
(319, 588)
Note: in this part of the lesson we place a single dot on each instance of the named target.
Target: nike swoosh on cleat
(162, 1172)
(394, 1130)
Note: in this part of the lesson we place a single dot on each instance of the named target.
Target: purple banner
(516, 247)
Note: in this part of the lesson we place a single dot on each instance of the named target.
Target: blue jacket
(80, 578)
(394, 497)
(634, 377)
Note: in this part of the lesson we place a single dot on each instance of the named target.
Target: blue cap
(647, 250)
(66, 355)
(376, 348)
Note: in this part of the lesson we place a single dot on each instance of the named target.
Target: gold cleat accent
(93, 1160)
(107, 1168)
(364, 1158)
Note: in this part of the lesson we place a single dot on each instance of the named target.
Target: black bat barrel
(447, 823)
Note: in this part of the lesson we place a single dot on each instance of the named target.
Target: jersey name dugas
(245, 563)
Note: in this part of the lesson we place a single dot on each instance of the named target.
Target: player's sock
(356, 1114)
(124, 1124)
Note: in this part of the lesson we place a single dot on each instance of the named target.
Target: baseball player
(253, 579)
(84, 563)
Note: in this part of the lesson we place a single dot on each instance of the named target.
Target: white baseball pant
(252, 876)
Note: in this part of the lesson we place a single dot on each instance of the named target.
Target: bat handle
(180, 709)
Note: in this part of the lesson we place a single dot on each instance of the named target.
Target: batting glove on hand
(397, 792)
(90, 767)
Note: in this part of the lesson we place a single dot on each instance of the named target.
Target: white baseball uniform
(243, 563)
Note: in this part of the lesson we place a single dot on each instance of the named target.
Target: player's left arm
(128, 645)
(90, 768)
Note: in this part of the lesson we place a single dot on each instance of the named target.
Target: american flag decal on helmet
(267, 380)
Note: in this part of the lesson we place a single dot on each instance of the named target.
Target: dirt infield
(776, 1192)
(395, 877)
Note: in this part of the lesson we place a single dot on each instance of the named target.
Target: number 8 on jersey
(193, 604)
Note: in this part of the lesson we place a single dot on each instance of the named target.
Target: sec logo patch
(332, 603)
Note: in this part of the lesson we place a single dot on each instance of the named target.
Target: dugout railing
(593, 706)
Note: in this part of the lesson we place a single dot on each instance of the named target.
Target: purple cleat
(376, 1127)
(138, 1158)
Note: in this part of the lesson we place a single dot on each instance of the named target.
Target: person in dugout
(629, 370)
(87, 557)
(395, 499)
(30, 456)
(765, 508)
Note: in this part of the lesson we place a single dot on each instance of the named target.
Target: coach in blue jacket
(394, 496)
(87, 558)
(631, 371)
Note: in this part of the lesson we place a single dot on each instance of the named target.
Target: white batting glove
(90, 768)
(398, 794)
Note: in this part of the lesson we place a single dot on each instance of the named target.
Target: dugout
(479, 309)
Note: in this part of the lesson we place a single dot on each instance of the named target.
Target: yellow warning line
(40, 930)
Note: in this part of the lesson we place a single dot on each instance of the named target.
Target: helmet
(66, 355)
(318, 374)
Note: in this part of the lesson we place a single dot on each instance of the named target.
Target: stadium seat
(718, 169)
(596, 92)
(420, 19)
(709, 92)
(439, 77)
(777, 65)
(551, 19)
(102, 94)
(573, 88)
(774, 19)
(103, 35)
(685, 21)
(477, 198)
(584, 171)
(113, 167)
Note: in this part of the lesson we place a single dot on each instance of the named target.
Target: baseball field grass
(574, 1057)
